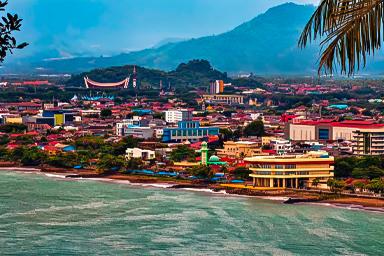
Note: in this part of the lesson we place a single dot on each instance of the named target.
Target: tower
(204, 153)
(134, 81)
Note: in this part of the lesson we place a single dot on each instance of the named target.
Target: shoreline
(284, 196)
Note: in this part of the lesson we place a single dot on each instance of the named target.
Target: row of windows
(195, 132)
(277, 166)
(280, 173)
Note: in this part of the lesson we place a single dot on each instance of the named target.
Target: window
(290, 166)
(324, 134)
(279, 166)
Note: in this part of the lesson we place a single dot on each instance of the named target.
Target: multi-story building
(216, 87)
(291, 171)
(135, 121)
(238, 149)
(188, 130)
(281, 146)
(176, 115)
(139, 132)
(326, 130)
(224, 99)
(143, 154)
(368, 142)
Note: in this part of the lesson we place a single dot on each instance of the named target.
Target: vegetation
(242, 173)
(352, 30)
(201, 171)
(256, 128)
(106, 113)
(13, 128)
(359, 167)
(182, 153)
(10, 23)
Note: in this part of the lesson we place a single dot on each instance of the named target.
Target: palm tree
(351, 30)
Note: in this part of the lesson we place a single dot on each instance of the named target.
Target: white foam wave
(55, 175)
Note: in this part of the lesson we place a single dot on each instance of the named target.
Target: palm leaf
(353, 30)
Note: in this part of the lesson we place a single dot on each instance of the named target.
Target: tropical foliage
(351, 30)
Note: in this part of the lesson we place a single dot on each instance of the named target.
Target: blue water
(48, 216)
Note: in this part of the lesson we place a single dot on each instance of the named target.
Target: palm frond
(353, 30)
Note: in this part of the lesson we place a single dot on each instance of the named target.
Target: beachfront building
(368, 142)
(143, 154)
(176, 115)
(291, 171)
(236, 149)
(188, 131)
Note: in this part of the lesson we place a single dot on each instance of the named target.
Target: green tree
(336, 186)
(108, 163)
(376, 186)
(371, 172)
(344, 167)
(182, 153)
(256, 128)
(200, 171)
(13, 128)
(242, 173)
(106, 112)
(10, 23)
(315, 182)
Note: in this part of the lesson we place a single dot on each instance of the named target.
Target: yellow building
(266, 140)
(291, 171)
(240, 149)
(13, 120)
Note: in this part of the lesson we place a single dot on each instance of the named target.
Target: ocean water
(51, 216)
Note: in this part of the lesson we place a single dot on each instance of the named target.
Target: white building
(139, 132)
(282, 146)
(175, 115)
(143, 154)
(134, 121)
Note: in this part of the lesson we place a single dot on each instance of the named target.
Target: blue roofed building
(188, 130)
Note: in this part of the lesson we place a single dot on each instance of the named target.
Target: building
(236, 149)
(139, 132)
(216, 87)
(188, 130)
(368, 142)
(326, 130)
(281, 146)
(143, 154)
(176, 115)
(224, 99)
(135, 121)
(291, 171)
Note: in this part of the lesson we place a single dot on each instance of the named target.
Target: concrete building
(224, 99)
(216, 87)
(174, 116)
(236, 149)
(143, 154)
(188, 130)
(291, 171)
(134, 121)
(139, 132)
(326, 130)
(281, 146)
(368, 142)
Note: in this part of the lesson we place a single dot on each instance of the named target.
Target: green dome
(214, 159)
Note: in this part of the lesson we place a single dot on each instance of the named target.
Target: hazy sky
(112, 26)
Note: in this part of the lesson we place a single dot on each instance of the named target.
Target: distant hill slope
(192, 74)
(266, 45)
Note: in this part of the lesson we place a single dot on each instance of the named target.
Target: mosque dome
(214, 159)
